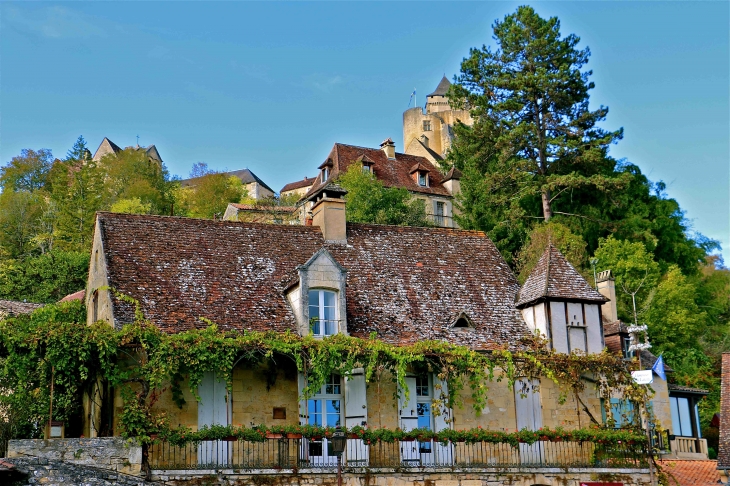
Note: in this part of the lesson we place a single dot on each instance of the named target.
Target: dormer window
(423, 178)
(325, 173)
(323, 312)
(367, 168)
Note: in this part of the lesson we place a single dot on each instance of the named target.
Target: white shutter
(214, 408)
(408, 414)
(529, 416)
(442, 421)
(303, 415)
(356, 413)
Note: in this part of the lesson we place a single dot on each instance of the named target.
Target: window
(423, 409)
(438, 217)
(622, 412)
(367, 168)
(681, 409)
(325, 410)
(462, 323)
(323, 312)
(423, 178)
(426, 125)
(628, 353)
(325, 174)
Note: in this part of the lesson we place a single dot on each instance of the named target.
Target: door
(529, 416)
(214, 408)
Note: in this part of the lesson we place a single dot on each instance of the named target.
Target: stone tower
(430, 133)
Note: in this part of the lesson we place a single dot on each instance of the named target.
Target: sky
(271, 86)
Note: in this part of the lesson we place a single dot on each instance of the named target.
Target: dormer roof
(419, 167)
(555, 278)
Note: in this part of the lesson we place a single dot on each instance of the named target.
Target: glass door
(325, 410)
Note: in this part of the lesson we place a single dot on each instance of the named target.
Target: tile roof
(687, 389)
(691, 473)
(442, 88)
(554, 277)
(391, 172)
(263, 207)
(14, 308)
(75, 296)
(405, 284)
(306, 182)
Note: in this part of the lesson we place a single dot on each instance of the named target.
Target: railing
(441, 220)
(688, 445)
(298, 454)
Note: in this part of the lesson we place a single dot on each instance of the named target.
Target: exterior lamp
(338, 441)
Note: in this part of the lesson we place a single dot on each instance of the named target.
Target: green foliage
(131, 206)
(19, 213)
(208, 194)
(44, 278)
(633, 268)
(368, 201)
(52, 343)
(529, 99)
(570, 245)
(27, 172)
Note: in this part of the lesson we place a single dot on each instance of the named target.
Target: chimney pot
(389, 148)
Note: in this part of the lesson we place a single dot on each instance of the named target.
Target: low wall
(485, 477)
(49, 472)
(108, 453)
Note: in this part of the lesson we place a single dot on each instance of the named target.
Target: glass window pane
(330, 327)
(315, 448)
(424, 415)
(685, 419)
(315, 412)
(333, 413)
(674, 409)
(329, 299)
(314, 298)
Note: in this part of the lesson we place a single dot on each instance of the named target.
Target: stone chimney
(389, 148)
(606, 285)
(328, 212)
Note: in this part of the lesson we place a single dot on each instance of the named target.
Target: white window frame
(325, 394)
(323, 322)
(423, 175)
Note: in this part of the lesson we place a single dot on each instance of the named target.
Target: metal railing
(287, 453)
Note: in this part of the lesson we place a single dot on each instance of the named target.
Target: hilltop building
(107, 147)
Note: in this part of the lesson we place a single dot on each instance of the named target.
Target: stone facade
(112, 453)
(723, 455)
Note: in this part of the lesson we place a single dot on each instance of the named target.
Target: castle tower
(430, 133)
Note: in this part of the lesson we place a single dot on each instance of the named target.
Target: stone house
(398, 284)
(297, 188)
(107, 147)
(413, 172)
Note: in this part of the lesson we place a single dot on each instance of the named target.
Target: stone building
(107, 147)
(412, 172)
(257, 189)
(429, 133)
(297, 188)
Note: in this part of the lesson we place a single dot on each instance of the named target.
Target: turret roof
(442, 88)
(554, 277)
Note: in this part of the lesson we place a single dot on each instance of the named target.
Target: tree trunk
(547, 211)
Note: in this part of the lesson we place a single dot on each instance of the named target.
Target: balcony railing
(310, 454)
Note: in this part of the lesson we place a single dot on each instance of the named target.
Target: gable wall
(97, 279)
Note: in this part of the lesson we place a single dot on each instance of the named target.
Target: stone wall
(723, 456)
(61, 473)
(485, 477)
(109, 453)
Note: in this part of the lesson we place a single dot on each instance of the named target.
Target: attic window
(325, 173)
(367, 168)
(423, 178)
(461, 322)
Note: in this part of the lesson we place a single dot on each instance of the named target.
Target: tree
(26, 172)
(635, 272)
(570, 245)
(78, 191)
(208, 195)
(44, 278)
(132, 174)
(535, 136)
(130, 206)
(19, 221)
(368, 201)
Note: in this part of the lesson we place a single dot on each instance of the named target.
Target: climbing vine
(145, 362)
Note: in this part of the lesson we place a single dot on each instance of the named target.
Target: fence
(288, 453)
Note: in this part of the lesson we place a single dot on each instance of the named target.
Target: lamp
(338, 441)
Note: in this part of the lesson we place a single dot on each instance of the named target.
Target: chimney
(607, 287)
(389, 148)
(328, 212)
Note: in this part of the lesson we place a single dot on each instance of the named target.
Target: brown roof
(554, 277)
(405, 284)
(442, 88)
(75, 296)
(13, 307)
(691, 473)
(687, 389)
(391, 172)
(615, 327)
(263, 207)
(306, 182)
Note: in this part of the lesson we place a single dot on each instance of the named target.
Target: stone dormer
(557, 303)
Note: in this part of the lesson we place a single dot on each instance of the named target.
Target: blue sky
(271, 86)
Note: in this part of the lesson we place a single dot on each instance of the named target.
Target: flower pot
(293, 436)
(556, 439)
(269, 435)
(230, 438)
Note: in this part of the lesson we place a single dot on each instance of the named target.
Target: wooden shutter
(356, 413)
(408, 415)
(303, 415)
(442, 421)
(214, 408)
(529, 416)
